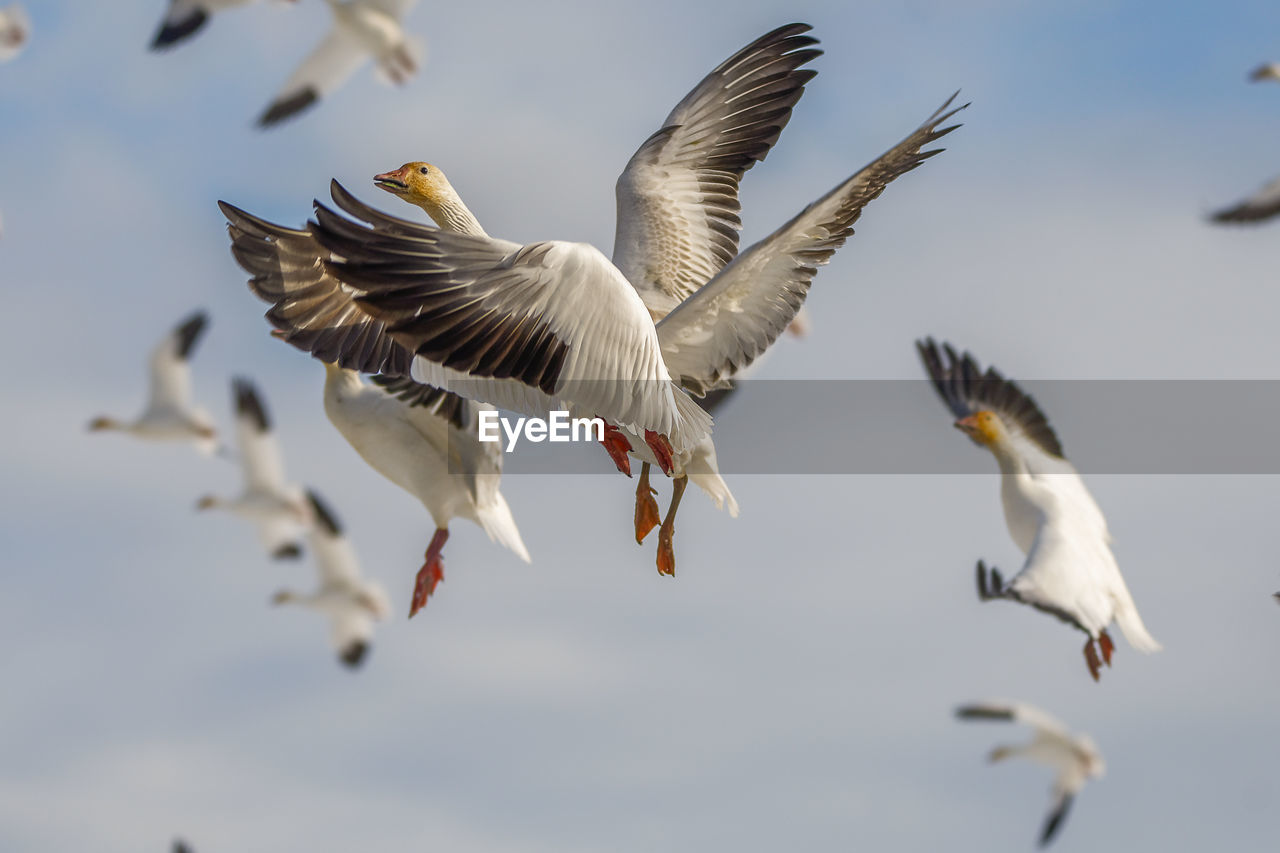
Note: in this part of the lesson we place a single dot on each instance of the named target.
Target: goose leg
(666, 548)
(646, 507)
(661, 449)
(1104, 643)
(1091, 658)
(431, 573)
(618, 447)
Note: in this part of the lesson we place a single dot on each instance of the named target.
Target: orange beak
(968, 426)
(392, 182)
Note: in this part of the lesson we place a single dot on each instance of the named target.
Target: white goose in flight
(278, 509)
(556, 325)
(362, 30)
(184, 18)
(351, 602)
(425, 441)
(1069, 571)
(15, 31)
(1075, 757)
(170, 415)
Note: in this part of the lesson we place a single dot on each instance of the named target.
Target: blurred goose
(277, 509)
(184, 18)
(1265, 203)
(1259, 207)
(1265, 71)
(170, 414)
(1075, 757)
(1069, 571)
(351, 602)
(426, 442)
(362, 30)
(15, 31)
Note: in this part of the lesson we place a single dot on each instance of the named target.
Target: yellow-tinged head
(983, 427)
(417, 183)
(101, 423)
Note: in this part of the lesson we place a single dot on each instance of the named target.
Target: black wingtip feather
(324, 514)
(249, 404)
(172, 32)
(289, 107)
(354, 653)
(188, 333)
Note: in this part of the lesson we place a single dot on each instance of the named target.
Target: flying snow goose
(1069, 571)
(1265, 71)
(351, 602)
(1075, 757)
(184, 18)
(362, 30)
(277, 509)
(170, 414)
(397, 265)
(426, 442)
(15, 31)
(1259, 207)
(1265, 203)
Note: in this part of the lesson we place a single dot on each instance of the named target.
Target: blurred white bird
(1075, 757)
(185, 18)
(362, 30)
(351, 602)
(15, 31)
(1069, 571)
(170, 414)
(1265, 71)
(426, 442)
(279, 510)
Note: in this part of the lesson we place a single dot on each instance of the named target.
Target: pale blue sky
(792, 687)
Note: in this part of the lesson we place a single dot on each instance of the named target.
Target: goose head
(426, 186)
(985, 428)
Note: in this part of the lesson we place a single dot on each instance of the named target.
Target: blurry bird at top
(362, 29)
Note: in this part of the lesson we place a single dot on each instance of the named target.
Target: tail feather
(692, 424)
(497, 521)
(704, 472)
(1134, 631)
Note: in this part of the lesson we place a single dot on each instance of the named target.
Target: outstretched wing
(737, 315)
(1259, 207)
(966, 389)
(310, 307)
(170, 372)
(678, 196)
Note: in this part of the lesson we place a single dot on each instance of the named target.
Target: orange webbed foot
(666, 551)
(431, 573)
(1091, 659)
(1104, 643)
(661, 450)
(647, 516)
(617, 445)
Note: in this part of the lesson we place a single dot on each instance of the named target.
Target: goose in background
(1265, 71)
(362, 30)
(351, 602)
(184, 18)
(15, 31)
(1069, 570)
(1075, 757)
(170, 414)
(278, 509)
(1265, 203)
(426, 442)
